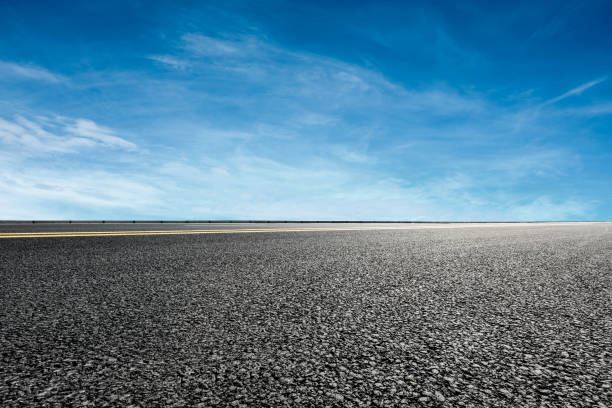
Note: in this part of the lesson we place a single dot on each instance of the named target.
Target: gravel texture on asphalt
(508, 316)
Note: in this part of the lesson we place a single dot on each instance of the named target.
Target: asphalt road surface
(342, 315)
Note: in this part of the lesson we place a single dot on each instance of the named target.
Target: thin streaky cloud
(208, 46)
(31, 72)
(170, 61)
(576, 91)
(36, 135)
(89, 129)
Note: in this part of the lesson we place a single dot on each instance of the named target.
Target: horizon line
(233, 221)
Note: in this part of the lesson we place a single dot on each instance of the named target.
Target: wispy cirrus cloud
(46, 193)
(39, 134)
(309, 78)
(203, 45)
(575, 91)
(172, 62)
(248, 186)
(313, 100)
(28, 72)
(243, 127)
(102, 135)
(243, 184)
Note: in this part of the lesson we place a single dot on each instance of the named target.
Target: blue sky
(306, 110)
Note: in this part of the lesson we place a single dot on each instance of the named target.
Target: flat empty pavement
(343, 315)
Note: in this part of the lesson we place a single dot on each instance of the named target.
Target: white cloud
(291, 83)
(576, 91)
(173, 62)
(103, 135)
(29, 72)
(244, 185)
(207, 46)
(36, 135)
(43, 193)
(301, 110)
(313, 119)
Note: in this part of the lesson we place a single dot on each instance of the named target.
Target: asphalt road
(479, 315)
(110, 226)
